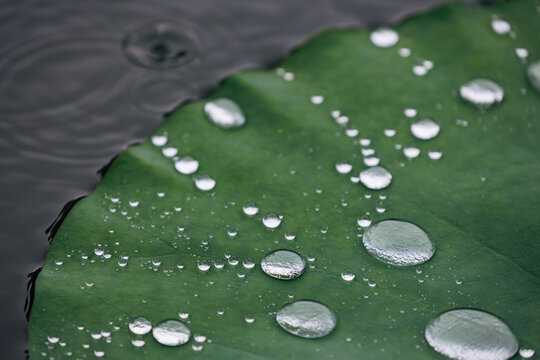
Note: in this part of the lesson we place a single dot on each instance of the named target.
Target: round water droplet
(170, 151)
(404, 52)
(411, 152)
(307, 319)
(348, 275)
(186, 165)
(250, 209)
(526, 352)
(500, 26)
(363, 222)
(290, 235)
(317, 99)
(467, 334)
(533, 73)
(271, 221)
(522, 53)
(159, 140)
(434, 155)
(171, 333)
(376, 178)
(425, 129)
(384, 37)
(343, 167)
(410, 112)
(398, 243)
(389, 132)
(138, 342)
(248, 263)
(225, 113)
(372, 161)
(203, 265)
(283, 264)
(483, 93)
(140, 326)
(205, 183)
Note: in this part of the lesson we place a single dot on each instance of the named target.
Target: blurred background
(81, 80)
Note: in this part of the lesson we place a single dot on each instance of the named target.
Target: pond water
(79, 81)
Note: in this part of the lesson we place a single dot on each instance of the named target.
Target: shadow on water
(80, 80)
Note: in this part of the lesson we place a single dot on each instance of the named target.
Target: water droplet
(343, 167)
(183, 315)
(410, 112)
(199, 338)
(419, 70)
(271, 221)
(248, 263)
(352, 132)
(53, 339)
(522, 53)
(307, 319)
(224, 113)
(138, 342)
(249, 319)
(205, 183)
(186, 165)
(232, 260)
(398, 243)
(425, 129)
(411, 152)
(140, 326)
(159, 140)
(468, 334)
(500, 26)
(250, 209)
(170, 151)
(317, 99)
(133, 203)
(348, 275)
(203, 265)
(363, 222)
(404, 52)
(376, 178)
(434, 155)
(389, 132)
(283, 264)
(290, 235)
(526, 352)
(372, 161)
(171, 333)
(384, 37)
(99, 353)
(58, 262)
(483, 93)
(533, 73)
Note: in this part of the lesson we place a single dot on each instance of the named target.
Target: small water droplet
(533, 73)
(425, 129)
(399, 243)
(343, 167)
(250, 209)
(389, 132)
(248, 263)
(271, 221)
(500, 26)
(404, 52)
(205, 183)
(522, 53)
(249, 319)
(200, 338)
(140, 326)
(526, 352)
(352, 132)
(372, 161)
(434, 155)
(170, 151)
(53, 339)
(348, 275)
(420, 70)
(468, 334)
(283, 264)
(58, 262)
(410, 112)
(411, 152)
(171, 333)
(99, 353)
(133, 203)
(384, 37)
(483, 93)
(306, 319)
(376, 178)
(138, 342)
(224, 113)
(364, 221)
(159, 140)
(186, 165)
(317, 99)
(232, 260)
(203, 265)
(183, 315)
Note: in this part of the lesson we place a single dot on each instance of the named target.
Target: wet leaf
(149, 242)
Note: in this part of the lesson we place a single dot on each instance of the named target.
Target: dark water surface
(80, 80)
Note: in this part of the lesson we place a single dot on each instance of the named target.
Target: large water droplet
(224, 113)
(398, 243)
(271, 221)
(171, 333)
(533, 72)
(307, 319)
(376, 178)
(384, 37)
(467, 334)
(483, 93)
(283, 264)
(186, 165)
(425, 129)
(205, 183)
(140, 326)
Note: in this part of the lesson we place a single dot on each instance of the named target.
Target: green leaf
(479, 203)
